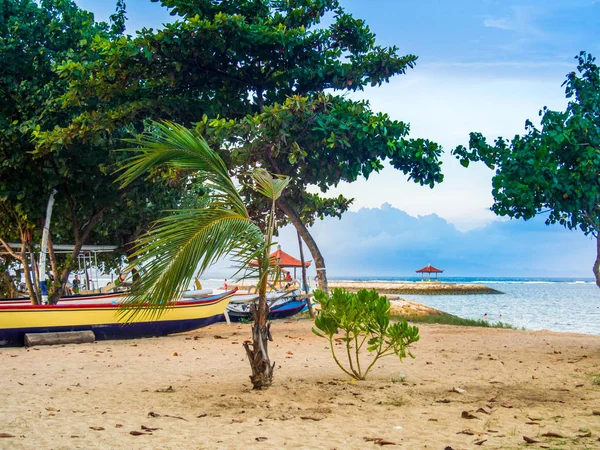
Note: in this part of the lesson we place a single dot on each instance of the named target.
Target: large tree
(35, 37)
(249, 61)
(554, 169)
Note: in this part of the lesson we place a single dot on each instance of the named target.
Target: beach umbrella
(283, 259)
(429, 269)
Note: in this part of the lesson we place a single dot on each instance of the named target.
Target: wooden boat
(103, 318)
(111, 297)
(281, 309)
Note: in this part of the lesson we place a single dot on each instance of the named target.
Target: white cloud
(521, 20)
(503, 24)
(388, 242)
(444, 106)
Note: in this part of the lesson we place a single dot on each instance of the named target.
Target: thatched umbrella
(283, 259)
(429, 269)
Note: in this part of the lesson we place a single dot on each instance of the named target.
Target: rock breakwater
(384, 288)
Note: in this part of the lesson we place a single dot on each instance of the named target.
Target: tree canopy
(555, 168)
(36, 37)
(264, 74)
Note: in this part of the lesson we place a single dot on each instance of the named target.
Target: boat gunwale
(187, 303)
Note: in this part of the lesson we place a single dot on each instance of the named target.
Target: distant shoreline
(418, 288)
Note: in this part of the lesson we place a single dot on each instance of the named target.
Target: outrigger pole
(44, 249)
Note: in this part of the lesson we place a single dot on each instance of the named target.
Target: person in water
(485, 316)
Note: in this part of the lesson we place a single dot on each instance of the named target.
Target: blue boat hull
(287, 310)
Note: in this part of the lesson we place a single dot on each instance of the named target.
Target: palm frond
(182, 244)
(268, 185)
(176, 146)
(189, 241)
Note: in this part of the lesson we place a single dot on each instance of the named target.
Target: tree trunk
(64, 277)
(262, 370)
(35, 273)
(596, 267)
(27, 275)
(308, 300)
(55, 273)
(257, 350)
(80, 239)
(60, 338)
(22, 258)
(129, 248)
(310, 243)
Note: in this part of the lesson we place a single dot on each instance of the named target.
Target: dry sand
(93, 395)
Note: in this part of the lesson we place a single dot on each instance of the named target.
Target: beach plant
(187, 242)
(553, 170)
(450, 319)
(361, 321)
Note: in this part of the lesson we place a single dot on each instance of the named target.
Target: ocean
(557, 304)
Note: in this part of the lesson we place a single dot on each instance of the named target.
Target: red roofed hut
(429, 269)
(283, 259)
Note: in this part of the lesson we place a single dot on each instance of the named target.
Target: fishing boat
(111, 297)
(280, 309)
(105, 320)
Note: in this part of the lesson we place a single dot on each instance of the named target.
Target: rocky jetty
(427, 288)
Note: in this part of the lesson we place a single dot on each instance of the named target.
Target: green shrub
(358, 319)
(449, 319)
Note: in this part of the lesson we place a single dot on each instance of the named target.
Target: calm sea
(558, 304)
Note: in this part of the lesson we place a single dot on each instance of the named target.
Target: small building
(429, 269)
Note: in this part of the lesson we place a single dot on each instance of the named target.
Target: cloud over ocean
(389, 242)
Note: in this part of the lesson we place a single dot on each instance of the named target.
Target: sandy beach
(194, 391)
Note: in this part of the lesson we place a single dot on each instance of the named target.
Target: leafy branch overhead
(267, 78)
(35, 38)
(555, 168)
(322, 141)
(251, 62)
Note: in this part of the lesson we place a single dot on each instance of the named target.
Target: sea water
(557, 304)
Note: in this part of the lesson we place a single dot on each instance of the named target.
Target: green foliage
(449, 319)
(191, 240)
(231, 66)
(555, 168)
(36, 38)
(321, 140)
(357, 319)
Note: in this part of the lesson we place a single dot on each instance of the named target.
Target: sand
(196, 386)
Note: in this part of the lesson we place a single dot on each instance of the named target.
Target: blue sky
(484, 66)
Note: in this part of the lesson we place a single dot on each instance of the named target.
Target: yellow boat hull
(106, 320)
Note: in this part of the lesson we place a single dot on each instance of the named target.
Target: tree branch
(9, 250)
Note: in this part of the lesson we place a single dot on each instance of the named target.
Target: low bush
(357, 319)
